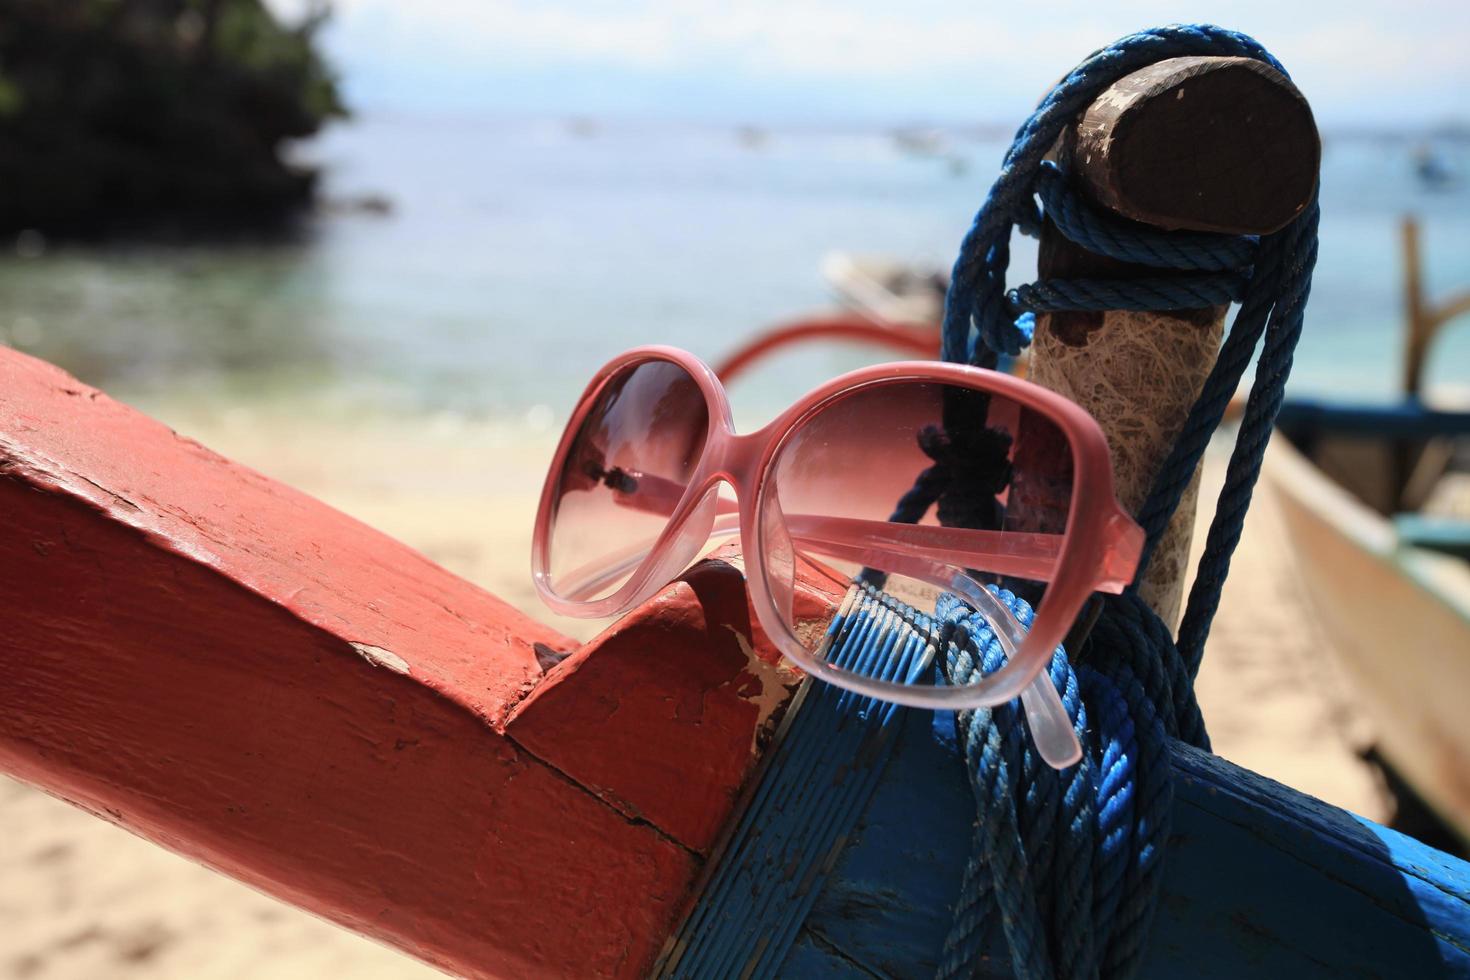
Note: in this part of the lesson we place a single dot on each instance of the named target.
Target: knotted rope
(971, 466)
(1066, 864)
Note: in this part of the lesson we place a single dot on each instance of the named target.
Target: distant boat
(582, 127)
(1432, 170)
(919, 141)
(887, 289)
(752, 137)
(885, 303)
(1376, 501)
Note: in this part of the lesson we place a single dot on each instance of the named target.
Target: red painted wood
(248, 677)
(908, 338)
(710, 715)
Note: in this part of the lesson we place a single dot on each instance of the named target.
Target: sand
(81, 899)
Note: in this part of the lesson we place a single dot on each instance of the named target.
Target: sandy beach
(81, 899)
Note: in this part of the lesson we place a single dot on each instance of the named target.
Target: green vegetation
(122, 116)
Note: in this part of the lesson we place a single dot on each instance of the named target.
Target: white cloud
(1360, 57)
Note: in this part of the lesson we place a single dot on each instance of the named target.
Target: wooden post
(1425, 317)
(1423, 322)
(1418, 329)
(1203, 144)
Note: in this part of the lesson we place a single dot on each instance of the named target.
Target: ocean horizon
(502, 261)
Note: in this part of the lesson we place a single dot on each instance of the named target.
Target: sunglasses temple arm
(582, 583)
(1051, 728)
(1019, 553)
(1022, 554)
(659, 495)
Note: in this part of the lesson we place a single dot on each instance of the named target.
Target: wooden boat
(887, 289)
(240, 673)
(1377, 506)
(882, 302)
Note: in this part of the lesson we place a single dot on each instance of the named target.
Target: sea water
(516, 255)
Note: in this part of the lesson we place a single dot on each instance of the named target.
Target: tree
(124, 115)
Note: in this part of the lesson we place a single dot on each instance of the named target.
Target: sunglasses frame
(1100, 548)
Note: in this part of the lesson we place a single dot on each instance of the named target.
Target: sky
(1395, 63)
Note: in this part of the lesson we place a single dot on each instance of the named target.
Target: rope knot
(970, 468)
(976, 459)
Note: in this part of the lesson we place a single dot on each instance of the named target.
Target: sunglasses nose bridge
(735, 459)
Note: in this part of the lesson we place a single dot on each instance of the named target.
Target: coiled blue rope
(1066, 864)
(1070, 859)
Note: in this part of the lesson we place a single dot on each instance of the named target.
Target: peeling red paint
(210, 659)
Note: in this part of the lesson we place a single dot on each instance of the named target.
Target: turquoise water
(519, 255)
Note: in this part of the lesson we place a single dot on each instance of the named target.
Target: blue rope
(1177, 293)
(1126, 241)
(976, 296)
(1068, 859)
(1067, 864)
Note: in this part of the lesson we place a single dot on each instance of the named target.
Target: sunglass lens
(903, 486)
(631, 458)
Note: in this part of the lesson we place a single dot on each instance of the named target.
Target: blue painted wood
(816, 784)
(888, 900)
(1260, 881)
(1447, 535)
(813, 959)
(1408, 419)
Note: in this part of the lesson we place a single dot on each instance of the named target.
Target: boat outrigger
(882, 303)
(1376, 500)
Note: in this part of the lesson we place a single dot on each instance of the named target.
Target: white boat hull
(1398, 620)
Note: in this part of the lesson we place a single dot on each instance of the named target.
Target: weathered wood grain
(1259, 881)
(248, 677)
(665, 715)
(1199, 143)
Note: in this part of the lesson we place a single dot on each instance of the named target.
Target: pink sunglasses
(1021, 475)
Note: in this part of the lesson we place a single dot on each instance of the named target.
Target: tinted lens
(623, 476)
(905, 485)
